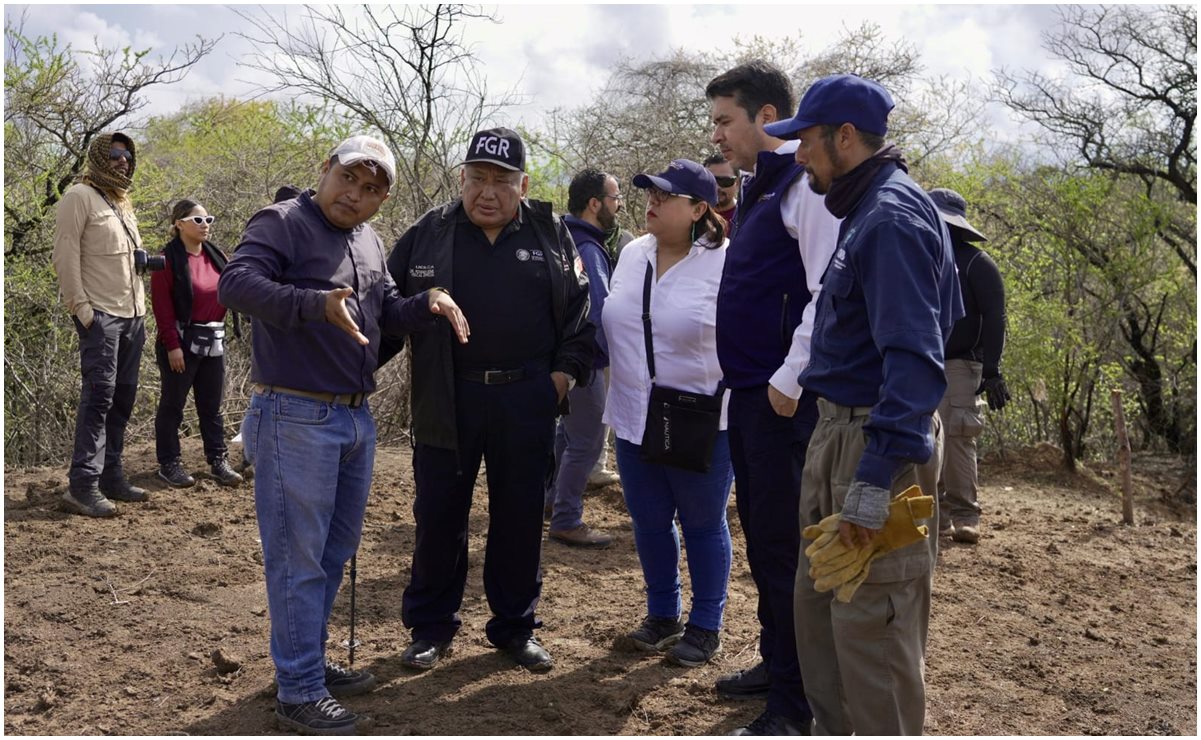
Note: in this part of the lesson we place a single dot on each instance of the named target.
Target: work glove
(996, 391)
(833, 565)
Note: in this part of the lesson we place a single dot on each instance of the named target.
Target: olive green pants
(863, 663)
(962, 423)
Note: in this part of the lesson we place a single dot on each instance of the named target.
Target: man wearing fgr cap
(512, 266)
(973, 367)
(311, 272)
(889, 298)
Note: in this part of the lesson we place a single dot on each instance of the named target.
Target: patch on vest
(525, 255)
(421, 271)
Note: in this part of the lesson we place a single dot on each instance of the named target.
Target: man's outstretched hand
(336, 313)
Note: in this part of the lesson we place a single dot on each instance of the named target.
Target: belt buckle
(489, 374)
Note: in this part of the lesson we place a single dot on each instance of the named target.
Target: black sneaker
(120, 489)
(322, 717)
(224, 474)
(343, 682)
(749, 683)
(175, 476)
(770, 724)
(695, 648)
(657, 633)
(89, 502)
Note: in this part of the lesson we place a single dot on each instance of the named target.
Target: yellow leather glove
(833, 565)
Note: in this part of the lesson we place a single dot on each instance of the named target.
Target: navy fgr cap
(682, 177)
(835, 100)
(499, 146)
(953, 208)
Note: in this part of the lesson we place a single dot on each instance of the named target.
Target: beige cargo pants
(863, 663)
(962, 423)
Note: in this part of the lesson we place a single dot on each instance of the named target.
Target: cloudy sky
(558, 55)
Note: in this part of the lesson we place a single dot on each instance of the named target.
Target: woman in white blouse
(686, 250)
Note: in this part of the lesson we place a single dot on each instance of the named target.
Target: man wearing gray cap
(889, 298)
(511, 264)
(973, 360)
(311, 272)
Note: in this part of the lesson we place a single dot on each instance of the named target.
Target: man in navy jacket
(780, 244)
(888, 301)
(593, 200)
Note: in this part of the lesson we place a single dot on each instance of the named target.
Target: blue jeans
(312, 472)
(578, 443)
(654, 495)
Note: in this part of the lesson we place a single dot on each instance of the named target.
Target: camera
(142, 261)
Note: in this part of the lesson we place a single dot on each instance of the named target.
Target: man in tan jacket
(95, 236)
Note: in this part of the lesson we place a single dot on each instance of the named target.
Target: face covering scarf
(846, 190)
(100, 170)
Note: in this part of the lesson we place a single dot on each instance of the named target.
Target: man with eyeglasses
(311, 272)
(782, 240)
(593, 201)
(511, 264)
(95, 235)
(727, 185)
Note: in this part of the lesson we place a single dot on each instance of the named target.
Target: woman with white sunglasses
(190, 346)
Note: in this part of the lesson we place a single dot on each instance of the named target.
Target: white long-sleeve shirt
(684, 328)
(816, 231)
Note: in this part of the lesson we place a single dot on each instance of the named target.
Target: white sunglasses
(198, 220)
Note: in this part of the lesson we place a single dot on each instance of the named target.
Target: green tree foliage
(1127, 109)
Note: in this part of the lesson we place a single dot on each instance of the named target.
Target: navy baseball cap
(835, 100)
(502, 147)
(953, 208)
(682, 177)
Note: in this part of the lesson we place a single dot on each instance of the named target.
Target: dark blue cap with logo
(835, 100)
(682, 177)
(502, 147)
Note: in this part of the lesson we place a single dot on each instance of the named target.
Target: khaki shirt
(93, 257)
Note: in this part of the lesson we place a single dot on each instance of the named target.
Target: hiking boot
(120, 489)
(322, 717)
(770, 724)
(342, 682)
(602, 478)
(969, 534)
(582, 536)
(175, 476)
(89, 502)
(224, 474)
(695, 648)
(655, 634)
(749, 683)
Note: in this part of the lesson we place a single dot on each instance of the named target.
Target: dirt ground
(1061, 621)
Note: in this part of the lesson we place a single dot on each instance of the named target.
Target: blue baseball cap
(682, 177)
(835, 100)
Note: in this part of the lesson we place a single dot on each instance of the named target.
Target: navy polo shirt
(503, 289)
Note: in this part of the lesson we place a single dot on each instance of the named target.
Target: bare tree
(1131, 101)
(402, 70)
(54, 106)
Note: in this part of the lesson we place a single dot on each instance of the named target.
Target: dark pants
(110, 352)
(205, 376)
(511, 427)
(768, 452)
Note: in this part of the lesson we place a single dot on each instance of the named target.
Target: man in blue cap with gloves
(889, 298)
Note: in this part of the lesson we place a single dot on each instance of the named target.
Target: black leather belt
(353, 400)
(492, 377)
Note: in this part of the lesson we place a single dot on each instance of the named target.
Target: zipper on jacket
(785, 338)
